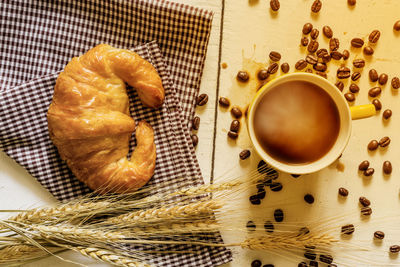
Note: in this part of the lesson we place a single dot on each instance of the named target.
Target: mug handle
(362, 111)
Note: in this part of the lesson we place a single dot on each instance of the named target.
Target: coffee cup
(343, 116)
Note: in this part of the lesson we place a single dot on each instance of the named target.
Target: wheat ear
(18, 252)
(206, 226)
(204, 189)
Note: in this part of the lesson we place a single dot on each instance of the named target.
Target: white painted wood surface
(250, 32)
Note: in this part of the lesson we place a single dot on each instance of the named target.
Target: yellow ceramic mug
(346, 114)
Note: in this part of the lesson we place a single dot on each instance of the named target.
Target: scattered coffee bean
(273, 68)
(302, 264)
(383, 78)
(357, 42)
(251, 226)
(346, 54)
(196, 123)
(310, 255)
(322, 74)
(313, 263)
(373, 75)
(326, 258)
(348, 229)
(377, 104)
(308, 71)
(326, 58)
(275, 56)
(316, 6)
(387, 167)
(307, 28)
(263, 74)
(285, 67)
(354, 88)
(312, 46)
(243, 76)
(224, 102)
(275, 5)
(368, 50)
(343, 192)
(366, 211)
(304, 41)
(387, 114)
(355, 76)
(269, 227)
(320, 52)
(334, 44)
(309, 198)
(262, 167)
(395, 248)
(374, 92)
(235, 126)
(351, 2)
(396, 26)
(261, 193)
(350, 97)
(369, 172)
(364, 165)
(256, 263)
(276, 187)
(202, 100)
(332, 265)
(278, 215)
(343, 73)
(233, 135)
(379, 235)
(303, 231)
(236, 112)
(384, 142)
(295, 175)
(327, 31)
(340, 85)
(336, 55)
(314, 34)
(396, 83)
(268, 265)
(320, 67)
(364, 201)
(244, 154)
(312, 59)
(255, 200)
(359, 63)
(374, 36)
(301, 64)
(195, 139)
(373, 145)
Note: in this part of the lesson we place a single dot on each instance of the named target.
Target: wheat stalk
(204, 189)
(179, 228)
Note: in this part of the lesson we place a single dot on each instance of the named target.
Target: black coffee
(296, 122)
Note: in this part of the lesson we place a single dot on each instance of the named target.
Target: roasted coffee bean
(373, 145)
(275, 56)
(334, 44)
(313, 263)
(275, 5)
(261, 193)
(364, 165)
(346, 54)
(255, 200)
(396, 26)
(285, 67)
(303, 231)
(384, 142)
(368, 50)
(312, 59)
(395, 248)
(316, 6)
(366, 211)
(307, 28)
(308, 71)
(348, 229)
(301, 64)
(278, 215)
(343, 73)
(224, 102)
(326, 58)
(340, 85)
(262, 167)
(343, 192)
(244, 154)
(320, 67)
(202, 100)
(312, 46)
(357, 42)
(377, 104)
(374, 92)
(233, 135)
(383, 78)
(263, 74)
(350, 97)
(351, 2)
(273, 68)
(326, 258)
(336, 55)
(373, 75)
(304, 41)
(387, 167)
(276, 187)
(235, 126)
(369, 172)
(310, 255)
(354, 88)
(322, 74)
(332, 265)
(268, 265)
(256, 263)
(309, 198)
(355, 76)
(320, 52)
(327, 31)
(243, 76)
(374, 36)
(236, 112)
(251, 226)
(364, 201)
(269, 227)
(196, 123)
(379, 235)
(395, 83)
(359, 63)
(314, 34)
(302, 264)
(295, 175)
(195, 139)
(387, 114)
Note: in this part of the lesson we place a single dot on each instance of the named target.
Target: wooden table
(243, 34)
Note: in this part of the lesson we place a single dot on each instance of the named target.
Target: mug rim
(343, 135)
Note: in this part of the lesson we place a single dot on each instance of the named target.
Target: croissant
(90, 124)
